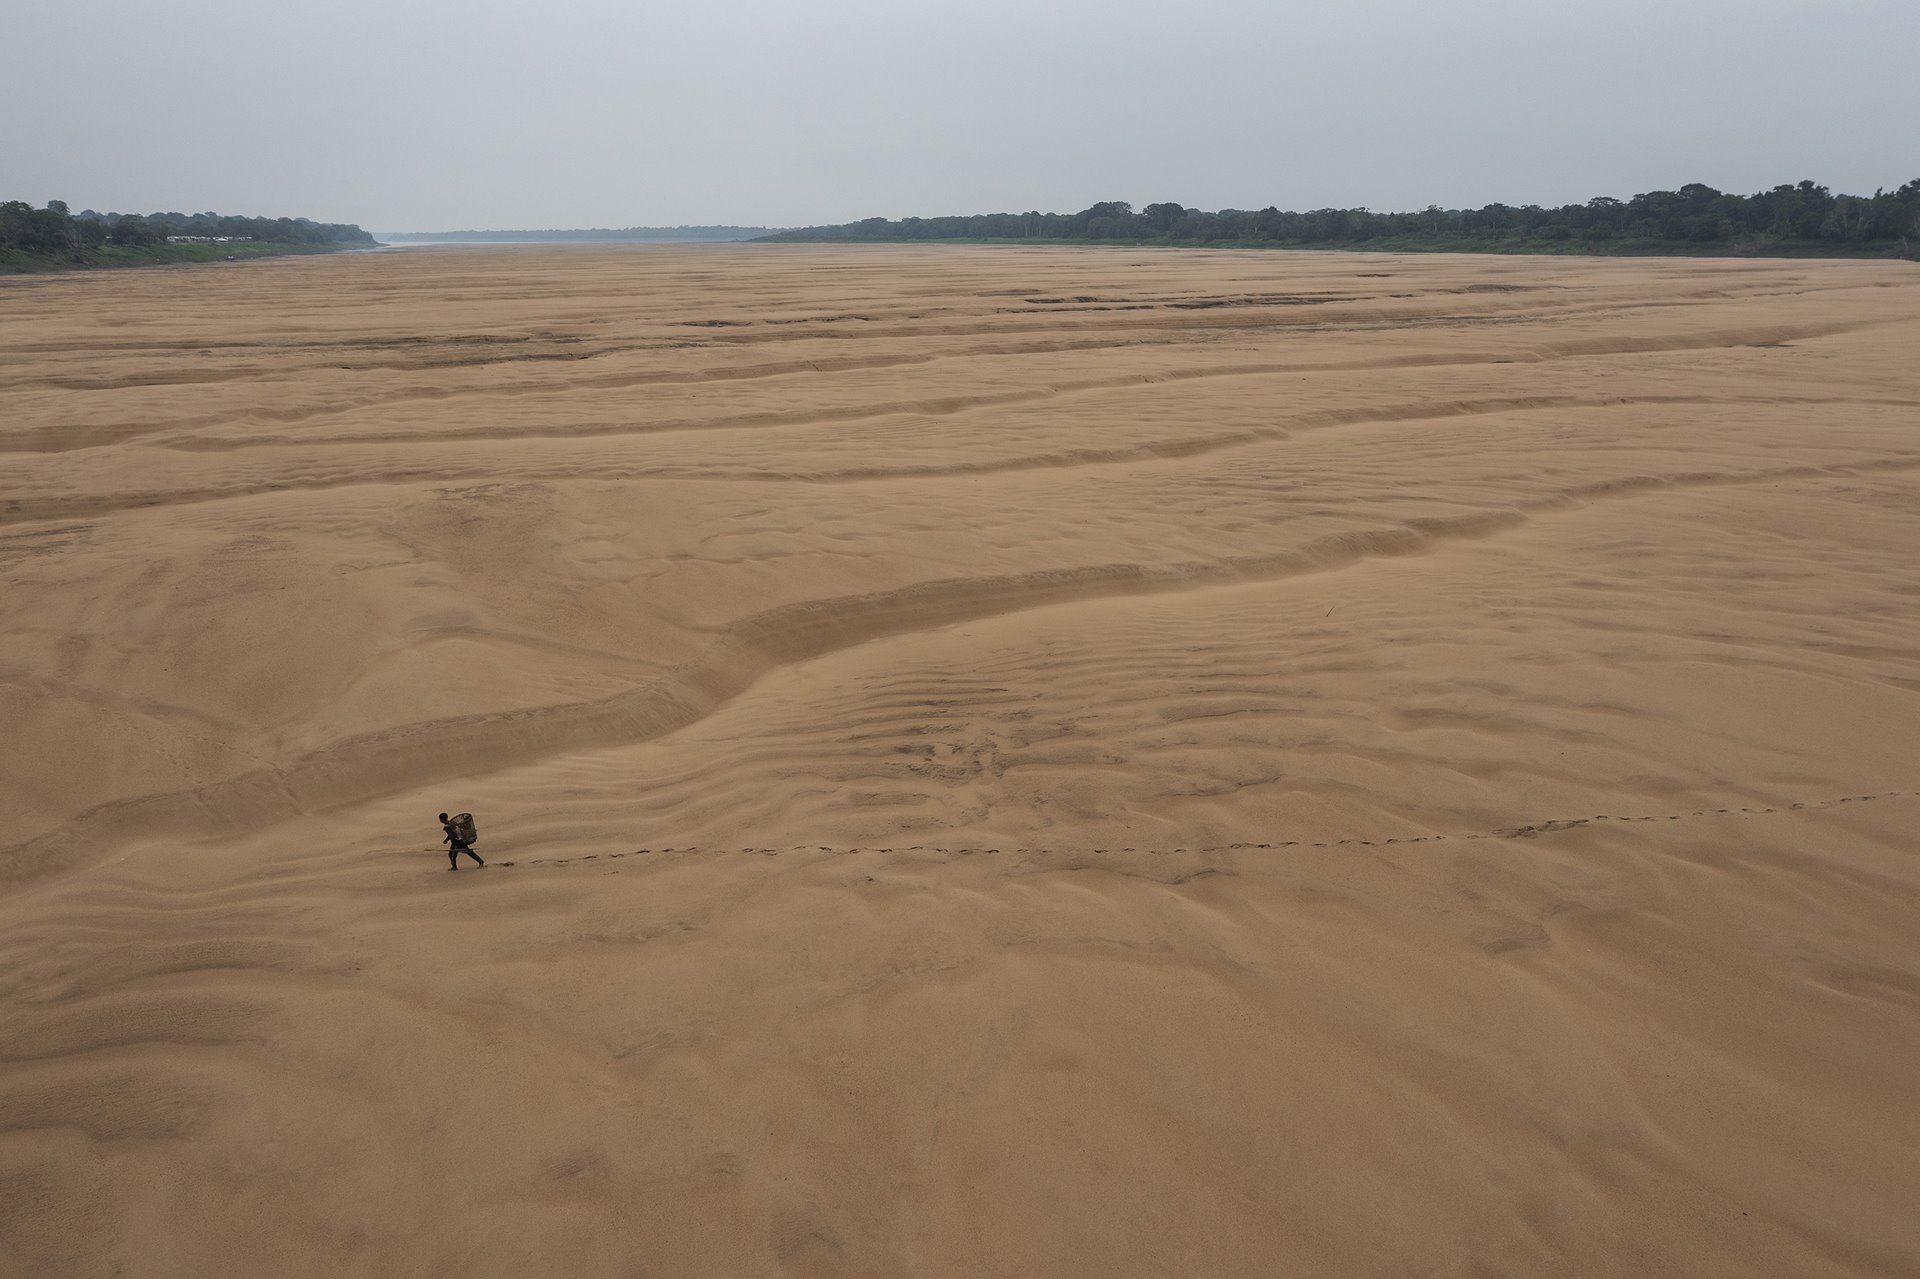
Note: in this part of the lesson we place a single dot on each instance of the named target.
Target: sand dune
(993, 762)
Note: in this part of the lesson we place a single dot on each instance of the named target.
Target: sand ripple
(1093, 762)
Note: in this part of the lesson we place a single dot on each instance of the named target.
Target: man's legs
(469, 852)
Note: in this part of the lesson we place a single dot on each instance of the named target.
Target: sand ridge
(1141, 762)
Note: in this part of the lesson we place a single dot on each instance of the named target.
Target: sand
(993, 762)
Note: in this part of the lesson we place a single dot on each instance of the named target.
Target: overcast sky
(454, 114)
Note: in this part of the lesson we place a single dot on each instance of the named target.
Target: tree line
(1696, 218)
(56, 233)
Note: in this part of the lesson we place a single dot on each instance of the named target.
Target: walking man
(456, 845)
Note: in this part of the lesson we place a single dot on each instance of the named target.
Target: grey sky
(441, 114)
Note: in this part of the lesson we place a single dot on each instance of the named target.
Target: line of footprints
(1506, 832)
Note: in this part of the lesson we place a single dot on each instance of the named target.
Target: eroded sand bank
(1012, 762)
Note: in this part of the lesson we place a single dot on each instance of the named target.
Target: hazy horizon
(429, 116)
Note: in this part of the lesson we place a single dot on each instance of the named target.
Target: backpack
(463, 830)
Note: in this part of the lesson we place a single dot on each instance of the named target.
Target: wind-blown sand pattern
(993, 762)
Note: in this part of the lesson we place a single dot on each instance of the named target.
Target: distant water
(637, 235)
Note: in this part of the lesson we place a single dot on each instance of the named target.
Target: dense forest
(590, 235)
(54, 236)
(1799, 219)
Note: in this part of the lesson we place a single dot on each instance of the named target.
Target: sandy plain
(994, 762)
